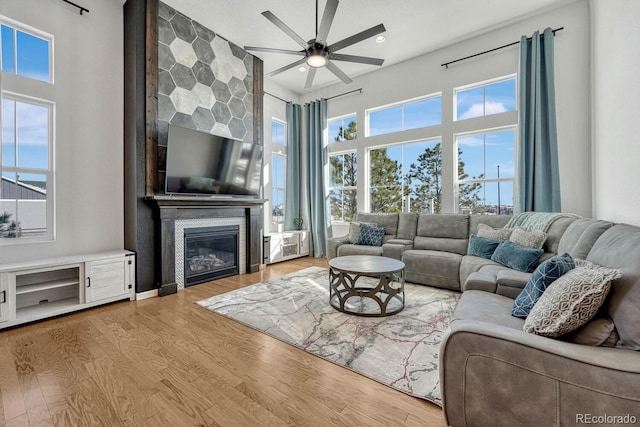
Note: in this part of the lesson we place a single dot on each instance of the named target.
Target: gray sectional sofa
(491, 371)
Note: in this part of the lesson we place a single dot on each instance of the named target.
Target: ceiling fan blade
(278, 23)
(327, 19)
(286, 67)
(354, 58)
(363, 35)
(272, 50)
(310, 76)
(338, 72)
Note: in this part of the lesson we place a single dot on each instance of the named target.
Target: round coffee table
(366, 285)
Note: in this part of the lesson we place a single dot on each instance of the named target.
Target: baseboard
(148, 294)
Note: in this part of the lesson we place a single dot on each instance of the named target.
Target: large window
(414, 114)
(486, 169)
(278, 133)
(342, 128)
(485, 99)
(342, 186)
(278, 171)
(406, 177)
(26, 190)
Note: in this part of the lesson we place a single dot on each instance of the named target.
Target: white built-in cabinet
(288, 245)
(37, 290)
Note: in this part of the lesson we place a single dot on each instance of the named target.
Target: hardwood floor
(168, 362)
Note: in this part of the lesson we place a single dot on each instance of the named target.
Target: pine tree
(344, 203)
(386, 182)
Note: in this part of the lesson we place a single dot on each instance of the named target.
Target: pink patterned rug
(400, 351)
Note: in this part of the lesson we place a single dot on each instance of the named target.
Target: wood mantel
(170, 208)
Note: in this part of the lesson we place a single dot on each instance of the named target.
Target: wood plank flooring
(168, 362)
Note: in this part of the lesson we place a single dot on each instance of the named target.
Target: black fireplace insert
(210, 253)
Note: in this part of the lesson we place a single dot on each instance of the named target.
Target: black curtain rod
(331, 97)
(82, 9)
(446, 64)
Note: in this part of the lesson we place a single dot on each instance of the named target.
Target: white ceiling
(414, 27)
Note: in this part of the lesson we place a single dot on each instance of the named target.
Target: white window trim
(368, 111)
(481, 84)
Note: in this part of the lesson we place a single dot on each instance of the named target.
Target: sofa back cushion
(407, 225)
(388, 221)
(555, 232)
(619, 247)
(495, 221)
(580, 236)
(443, 232)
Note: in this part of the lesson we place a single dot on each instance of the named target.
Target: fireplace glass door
(210, 253)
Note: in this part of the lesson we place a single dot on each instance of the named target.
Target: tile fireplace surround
(177, 213)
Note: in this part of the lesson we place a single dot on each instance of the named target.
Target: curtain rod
(331, 97)
(82, 9)
(446, 64)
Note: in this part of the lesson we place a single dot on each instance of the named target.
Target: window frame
(275, 223)
(284, 136)
(330, 189)
(512, 179)
(402, 103)
(32, 31)
(513, 76)
(342, 117)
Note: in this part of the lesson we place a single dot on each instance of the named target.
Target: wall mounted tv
(205, 164)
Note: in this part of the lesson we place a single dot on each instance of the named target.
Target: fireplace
(210, 253)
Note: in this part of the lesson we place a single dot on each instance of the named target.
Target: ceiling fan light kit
(316, 52)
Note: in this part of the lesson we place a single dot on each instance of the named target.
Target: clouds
(483, 109)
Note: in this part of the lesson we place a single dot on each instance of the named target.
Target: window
(343, 169)
(26, 166)
(486, 170)
(486, 99)
(25, 53)
(415, 114)
(278, 175)
(342, 128)
(278, 133)
(406, 177)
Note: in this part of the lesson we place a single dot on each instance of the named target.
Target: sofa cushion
(471, 264)
(388, 221)
(450, 226)
(486, 307)
(349, 249)
(494, 233)
(369, 235)
(619, 247)
(495, 221)
(545, 274)
(515, 256)
(481, 246)
(571, 301)
(407, 225)
(528, 239)
(434, 268)
(600, 331)
(580, 236)
(457, 246)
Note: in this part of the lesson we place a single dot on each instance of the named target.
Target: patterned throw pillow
(528, 239)
(369, 235)
(481, 246)
(516, 257)
(493, 233)
(354, 230)
(546, 273)
(571, 301)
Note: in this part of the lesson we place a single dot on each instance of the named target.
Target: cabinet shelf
(25, 289)
(47, 309)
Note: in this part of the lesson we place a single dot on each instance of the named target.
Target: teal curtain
(292, 199)
(538, 173)
(315, 114)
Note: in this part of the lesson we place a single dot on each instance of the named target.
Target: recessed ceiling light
(302, 69)
(380, 39)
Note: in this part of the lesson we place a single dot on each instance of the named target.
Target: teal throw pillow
(546, 273)
(481, 246)
(516, 256)
(370, 235)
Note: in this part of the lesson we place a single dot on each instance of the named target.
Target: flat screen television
(200, 163)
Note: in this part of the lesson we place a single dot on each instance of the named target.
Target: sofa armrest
(394, 248)
(495, 375)
(333, 243)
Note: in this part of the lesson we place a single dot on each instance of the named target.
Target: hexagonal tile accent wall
(205, 82)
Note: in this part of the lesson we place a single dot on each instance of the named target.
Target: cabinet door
(106, 279)
(7, 287)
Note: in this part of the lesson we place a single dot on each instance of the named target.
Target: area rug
(400, 351)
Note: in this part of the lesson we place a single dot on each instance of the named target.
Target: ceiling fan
(317, 52)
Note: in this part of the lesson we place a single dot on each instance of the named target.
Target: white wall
(424, 75)
(616, 109)
(89, 125)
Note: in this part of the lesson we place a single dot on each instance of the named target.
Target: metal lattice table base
(350, 292)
